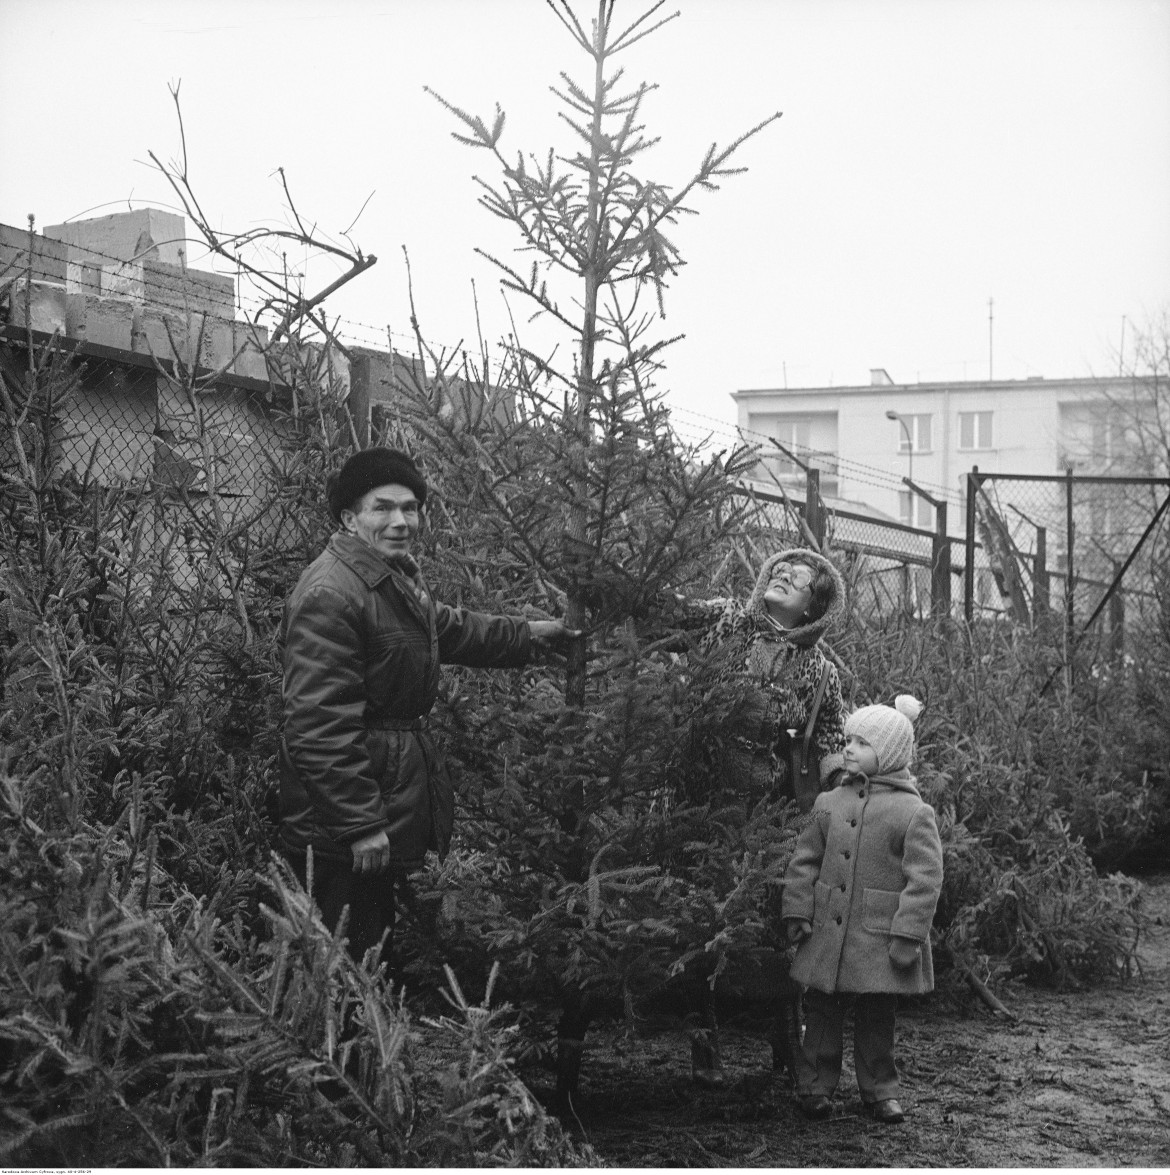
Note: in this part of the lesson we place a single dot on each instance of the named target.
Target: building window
(974, 430)
(915, 510)
(794, 436)
(1095, 440)
(915, 437)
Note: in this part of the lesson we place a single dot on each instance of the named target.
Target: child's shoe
(887, 1110)
(815, 1106)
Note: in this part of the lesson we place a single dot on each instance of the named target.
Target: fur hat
(889, 730)
(368, 469)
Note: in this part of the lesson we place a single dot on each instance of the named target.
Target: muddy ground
(1075, 1079)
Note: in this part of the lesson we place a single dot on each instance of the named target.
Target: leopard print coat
(778, 671)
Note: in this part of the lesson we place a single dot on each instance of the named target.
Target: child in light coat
(859, 898)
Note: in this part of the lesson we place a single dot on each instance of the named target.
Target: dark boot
(706, 1062)
(887, 1110)
(815, 1106)
(703, 1029)
(784, 1035)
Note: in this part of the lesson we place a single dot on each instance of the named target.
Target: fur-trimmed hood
(807, 634)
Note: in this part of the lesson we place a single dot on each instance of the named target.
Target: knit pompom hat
(889, 730)
(368, 469)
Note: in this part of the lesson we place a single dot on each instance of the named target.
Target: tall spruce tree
(583, 863)
(589, 218)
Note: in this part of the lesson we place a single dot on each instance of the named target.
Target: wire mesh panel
(892, 566)
(1090, 550)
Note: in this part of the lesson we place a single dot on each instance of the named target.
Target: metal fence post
(359, 397)
(969, 555)
(1069, 579)
(1117, 614)
(814, 510)
(940, 564)
(1040, 600)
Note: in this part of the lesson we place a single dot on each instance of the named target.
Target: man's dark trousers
(370, 898)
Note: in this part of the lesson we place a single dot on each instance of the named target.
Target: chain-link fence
(1085, 559)
(118, 417)
(1086, 555)
(210, 466)
(894, 567)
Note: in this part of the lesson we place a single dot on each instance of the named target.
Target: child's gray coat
(867, 867)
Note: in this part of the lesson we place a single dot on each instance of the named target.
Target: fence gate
(1079, 555)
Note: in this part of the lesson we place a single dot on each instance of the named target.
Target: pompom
(908, 705)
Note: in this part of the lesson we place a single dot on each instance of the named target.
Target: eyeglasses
(798, 575)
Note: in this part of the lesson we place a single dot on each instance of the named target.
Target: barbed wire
(351, 330)
(182, 285)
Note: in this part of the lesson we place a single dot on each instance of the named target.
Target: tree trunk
(571, 1030)
(577, 526)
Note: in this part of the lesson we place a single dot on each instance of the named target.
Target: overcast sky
(933, 155)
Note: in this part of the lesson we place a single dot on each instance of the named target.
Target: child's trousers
(818, 1061)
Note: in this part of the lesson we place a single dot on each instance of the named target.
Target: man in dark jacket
(361, 782)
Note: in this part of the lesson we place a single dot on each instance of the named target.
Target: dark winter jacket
(784, 666)
(867, 867)
(363, 640)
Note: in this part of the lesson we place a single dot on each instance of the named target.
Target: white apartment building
(866, 439)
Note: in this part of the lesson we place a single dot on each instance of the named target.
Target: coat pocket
(878, 910)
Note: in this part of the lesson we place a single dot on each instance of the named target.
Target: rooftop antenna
(1121, 349)
(990, 338)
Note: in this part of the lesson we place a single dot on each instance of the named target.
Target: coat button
(852, 823)
(861, 795)
(838, 919)
(844, 888)
(846, 854)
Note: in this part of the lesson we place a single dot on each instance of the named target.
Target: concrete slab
(150, 334)
(41, 305)
(211, 339)
(122, 280)
(188, 289)
(83, 277)
(106, 321)
(50, 257)
(251, 342)
(136, 234)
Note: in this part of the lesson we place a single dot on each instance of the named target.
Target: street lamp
(892, 415)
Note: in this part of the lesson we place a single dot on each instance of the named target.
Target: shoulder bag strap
(812, 717)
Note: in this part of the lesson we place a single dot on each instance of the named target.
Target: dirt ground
(1075, 1079)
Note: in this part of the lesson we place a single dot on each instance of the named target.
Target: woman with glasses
(769, 691)
(771, 648)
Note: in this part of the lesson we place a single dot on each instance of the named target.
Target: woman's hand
(550, 633)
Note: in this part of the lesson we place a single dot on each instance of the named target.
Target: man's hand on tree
(550, 633)
(371, 854)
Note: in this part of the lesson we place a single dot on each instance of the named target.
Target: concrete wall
(41, 305)
(144, 233)
(121, 282)
(50, 257)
